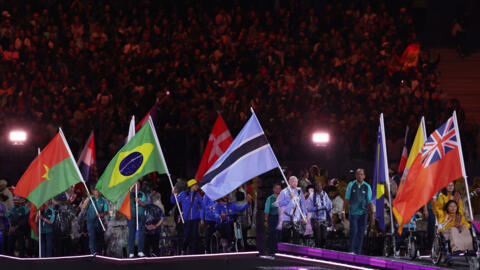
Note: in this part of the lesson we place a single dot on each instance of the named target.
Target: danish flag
(218, 142)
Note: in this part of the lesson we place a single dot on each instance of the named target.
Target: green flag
(140, 156)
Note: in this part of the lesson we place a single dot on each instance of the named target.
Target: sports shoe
(140, 254)
(131, 255)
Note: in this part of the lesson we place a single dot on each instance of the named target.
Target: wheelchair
(220, 244)
(441, 251)
(411, 242)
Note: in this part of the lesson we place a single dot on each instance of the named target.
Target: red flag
(218, 142)
(410, 56)
(434, 168)
(31, 221)
(86, 161)
(125, 208)
(403, 159)
(153, 112)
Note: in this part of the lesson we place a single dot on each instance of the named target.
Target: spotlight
(321, 138)
(18, 137)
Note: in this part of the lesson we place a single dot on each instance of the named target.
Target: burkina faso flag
(51, 173)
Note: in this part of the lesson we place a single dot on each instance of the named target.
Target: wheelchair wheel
(473, 262)
(437, 251)
(412, 247)
(238, 237)
(224, 245)
(214, 243)
(387, 246)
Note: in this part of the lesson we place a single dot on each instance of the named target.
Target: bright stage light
(18, 137)
(321, 138)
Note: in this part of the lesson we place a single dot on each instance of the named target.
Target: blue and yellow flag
(140, 156)
(380, 175)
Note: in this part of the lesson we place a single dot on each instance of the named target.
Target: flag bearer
(132, 223)
(95, 231)
(191, 207)
(47, 217)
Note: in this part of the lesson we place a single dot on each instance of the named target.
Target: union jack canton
(440, 142)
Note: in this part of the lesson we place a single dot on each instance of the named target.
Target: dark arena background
(317, 73)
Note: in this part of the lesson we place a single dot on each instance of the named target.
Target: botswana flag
(248, 156)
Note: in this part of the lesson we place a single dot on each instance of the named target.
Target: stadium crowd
(93, 64)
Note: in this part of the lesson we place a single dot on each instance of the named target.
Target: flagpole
(424, 130)
(131, 133)
(81, 177)
(39, 225)
(387, 177)
(136, 203)
(166, 167)
(283, 175)
(464, 174)
(404, 148)
(39, 235)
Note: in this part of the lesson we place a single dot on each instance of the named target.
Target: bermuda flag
(218, 142)
(403, 159)
(86, 161)
(439, 163)
(248, 156)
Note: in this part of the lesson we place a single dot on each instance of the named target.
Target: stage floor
(227, 261)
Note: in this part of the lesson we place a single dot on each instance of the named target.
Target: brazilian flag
(140, 156)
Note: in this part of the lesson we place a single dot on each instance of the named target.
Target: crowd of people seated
(92, 64)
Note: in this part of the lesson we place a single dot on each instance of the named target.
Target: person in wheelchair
(225, 215)
(446, 194)
(453, 226)
(410, 233)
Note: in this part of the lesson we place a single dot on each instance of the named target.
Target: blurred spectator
(6, 192)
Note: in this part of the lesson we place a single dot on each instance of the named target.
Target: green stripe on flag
(57, 179)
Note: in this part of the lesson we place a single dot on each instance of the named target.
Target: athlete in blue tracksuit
(224, 211)
(209, 220)
(191, 208)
